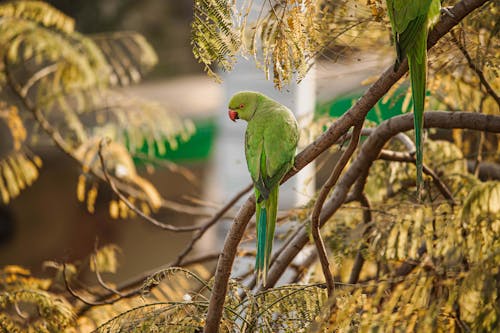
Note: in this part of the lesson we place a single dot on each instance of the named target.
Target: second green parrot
(270, 142)
(410, 22)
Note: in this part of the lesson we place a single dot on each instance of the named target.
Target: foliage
(452, 284)
(27, 305)
(454, 83)
(287, 37)
(19, 166)
(430, 267)
(284, 37)
(290, 307)
(30, 304)
(58, 81)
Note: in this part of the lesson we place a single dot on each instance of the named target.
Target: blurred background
(47, 223)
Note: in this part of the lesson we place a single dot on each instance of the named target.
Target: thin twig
(476, 69)
(134, 286)
(184, 209)
(315, 228)
(210, 223)
(98, 274)
(390, 155)
(80, 298)
(131, 206)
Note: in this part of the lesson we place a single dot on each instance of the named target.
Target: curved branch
(369, 152)
(98, 274)
(130, 205)
(356, 114)
(476, 69)
(318, 241)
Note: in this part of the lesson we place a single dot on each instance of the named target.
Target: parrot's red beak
(233, 115)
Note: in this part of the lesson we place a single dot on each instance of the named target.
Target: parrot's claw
(446, 11)
(295, 169)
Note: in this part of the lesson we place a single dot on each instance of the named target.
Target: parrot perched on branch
(410, 22)
(270, 142)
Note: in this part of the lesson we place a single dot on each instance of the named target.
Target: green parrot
(411, 21)
(270, 143)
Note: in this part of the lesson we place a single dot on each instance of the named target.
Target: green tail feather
(261, 242)
(417, 61)
(266, 211)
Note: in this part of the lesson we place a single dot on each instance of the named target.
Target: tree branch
(318, 241)
(225, 264)
(476, 69)
(210, 223)
(368, 153)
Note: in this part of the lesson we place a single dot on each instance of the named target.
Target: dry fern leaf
(214, 38)
(483, 203)
(136, 123)
(37, 309)
(480, 217)
(40, 12)
(129, 55)
(18, 166)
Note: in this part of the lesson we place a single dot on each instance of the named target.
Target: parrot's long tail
(417, 62)
(266, 212)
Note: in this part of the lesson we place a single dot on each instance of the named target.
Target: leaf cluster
(284, 37)
(26, 304)
(430, 267)
(56, 81)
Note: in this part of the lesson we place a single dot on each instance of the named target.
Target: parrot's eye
(242, 106)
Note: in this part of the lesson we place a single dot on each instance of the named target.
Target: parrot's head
(243, 105)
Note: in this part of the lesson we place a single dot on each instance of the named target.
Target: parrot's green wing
(270, 150)
(408, 21)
